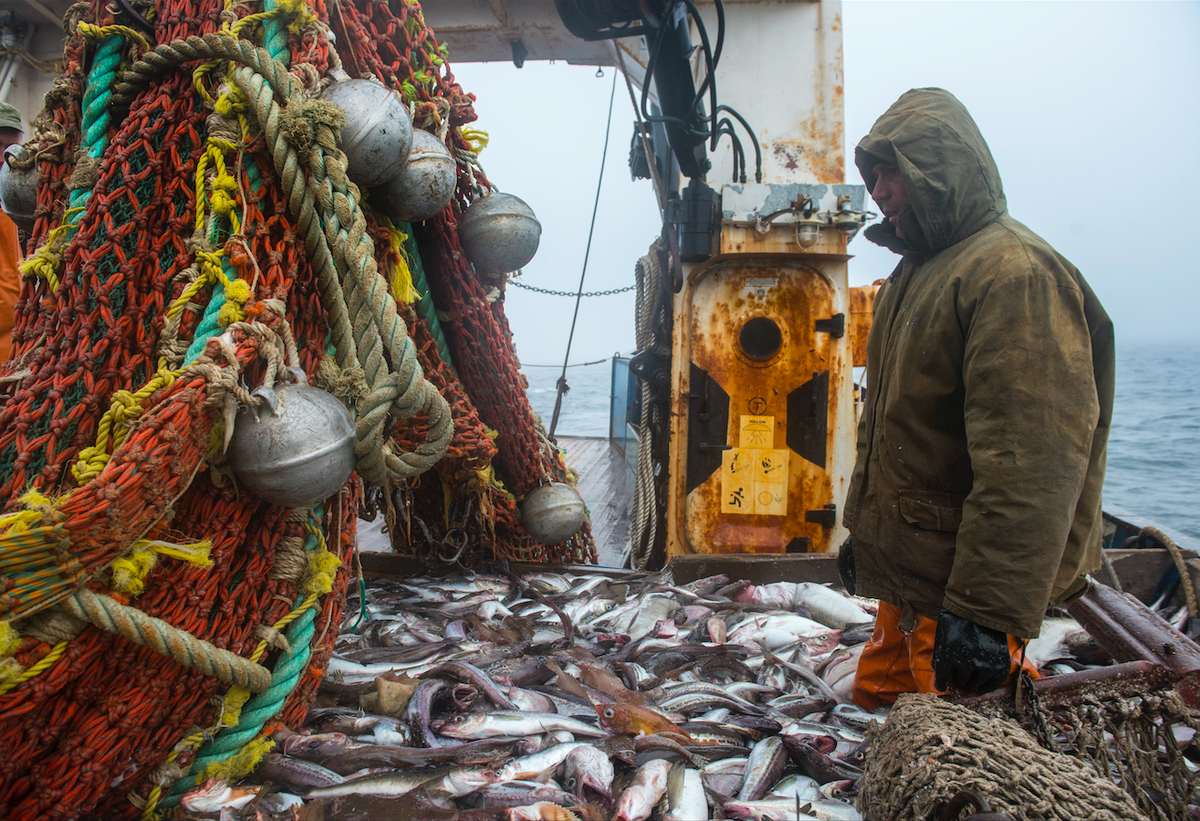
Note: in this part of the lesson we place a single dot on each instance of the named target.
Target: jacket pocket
(932, 511)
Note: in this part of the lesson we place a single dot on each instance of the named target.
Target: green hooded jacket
(981, 448)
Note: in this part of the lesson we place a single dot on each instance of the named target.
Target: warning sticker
(756, 432)
(754, 480)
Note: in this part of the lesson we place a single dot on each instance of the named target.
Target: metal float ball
(18, 187)
(552, 513)
(424, 186)
(297, 448)
(377, 135)
(499, 233)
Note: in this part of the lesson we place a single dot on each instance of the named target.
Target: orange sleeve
(10, 282)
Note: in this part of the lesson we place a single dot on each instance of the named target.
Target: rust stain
(862, 300)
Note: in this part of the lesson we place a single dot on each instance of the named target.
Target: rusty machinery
(765, 328)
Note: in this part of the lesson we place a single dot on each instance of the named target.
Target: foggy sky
(1090, 109)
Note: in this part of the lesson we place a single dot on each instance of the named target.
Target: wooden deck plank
(606, 484)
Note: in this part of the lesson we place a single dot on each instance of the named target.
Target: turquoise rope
(208, 327)
(275, 34)
(96, 116)
(258, 710)
(264, 706)
(424, 307)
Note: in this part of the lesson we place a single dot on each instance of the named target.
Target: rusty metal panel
(767, 389)
(862, 305)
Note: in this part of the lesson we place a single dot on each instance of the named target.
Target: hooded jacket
(981, 447)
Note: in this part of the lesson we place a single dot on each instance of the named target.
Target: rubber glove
(968, 657)
(845, 566)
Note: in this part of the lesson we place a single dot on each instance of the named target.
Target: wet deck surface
(606, 485)
(605, 482)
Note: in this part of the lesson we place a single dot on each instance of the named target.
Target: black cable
(753, 139)
(562, 380)
(710, 77)
(725, 126)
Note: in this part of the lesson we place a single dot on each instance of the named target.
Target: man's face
(889, 193)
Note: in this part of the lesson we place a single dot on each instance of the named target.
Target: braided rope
(367, 298)
(167, 640)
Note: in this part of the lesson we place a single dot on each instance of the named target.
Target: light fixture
(808, 227)
(849, 222)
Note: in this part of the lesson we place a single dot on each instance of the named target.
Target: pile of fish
(585, 696)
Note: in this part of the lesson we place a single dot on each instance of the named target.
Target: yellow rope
(129, 571)
(34, 670)
(402, 281)
(475, 138)
(95, 34)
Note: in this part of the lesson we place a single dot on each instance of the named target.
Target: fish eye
(459, 719)
(570, 783)
(609, 712)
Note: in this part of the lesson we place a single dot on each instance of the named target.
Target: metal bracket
(825, 517)
(835, 326)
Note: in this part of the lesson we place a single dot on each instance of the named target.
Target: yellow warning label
(754, 480)
(757, 432)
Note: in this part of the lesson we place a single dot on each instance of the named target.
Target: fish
(839, 670)
(830, 607)
(588, 771)
(767, 809)
(1062, 637)
(648, 786)
(686, 800)
(630, 718)
(506, 723)
(455, 781)
(763, 768)
(713, 689)
(215, 796)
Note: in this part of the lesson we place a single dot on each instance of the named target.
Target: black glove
(845, 565)
(968, 657)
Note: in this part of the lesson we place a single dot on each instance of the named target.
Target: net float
(378, 132)
(499, 233)
(297, 447)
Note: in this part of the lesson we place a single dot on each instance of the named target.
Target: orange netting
(110, 450)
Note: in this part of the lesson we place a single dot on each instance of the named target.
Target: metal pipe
(1154, 653)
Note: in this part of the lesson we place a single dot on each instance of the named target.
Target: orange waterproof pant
(893, 662)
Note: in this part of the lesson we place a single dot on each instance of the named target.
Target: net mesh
(167, 272)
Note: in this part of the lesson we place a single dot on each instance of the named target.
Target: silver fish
(505, 723)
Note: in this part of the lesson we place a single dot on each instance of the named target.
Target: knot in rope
(302, 121)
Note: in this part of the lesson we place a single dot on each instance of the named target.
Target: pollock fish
(588, 771)
(686, 800)
(504, 723)
(648, 786)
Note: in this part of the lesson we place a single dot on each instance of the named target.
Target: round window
(760, 338)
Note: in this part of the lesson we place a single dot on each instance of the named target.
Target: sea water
(1153, 452)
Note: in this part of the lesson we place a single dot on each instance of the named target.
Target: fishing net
(195, 236)
(929, 751)
(1137, 743)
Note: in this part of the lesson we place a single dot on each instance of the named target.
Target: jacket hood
(952, 182)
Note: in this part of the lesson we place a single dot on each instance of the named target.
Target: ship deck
(606, 485)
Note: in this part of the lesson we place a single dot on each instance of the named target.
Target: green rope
(208, 326)
(275, 36)
(97, 115)
(424, 307)
(258, 710)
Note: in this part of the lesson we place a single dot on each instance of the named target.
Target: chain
(520, 284)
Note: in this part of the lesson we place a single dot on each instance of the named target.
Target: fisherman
(975, 500)
(11, 132)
